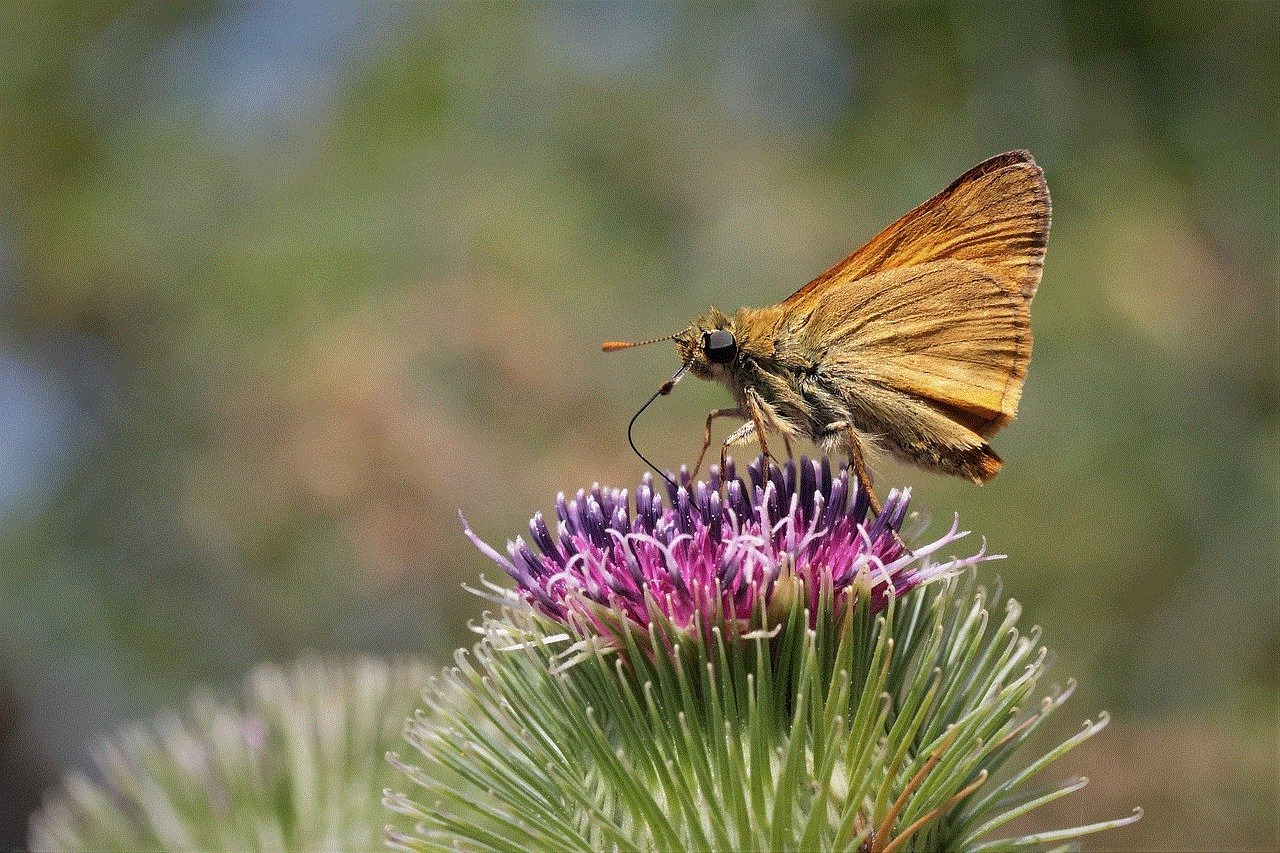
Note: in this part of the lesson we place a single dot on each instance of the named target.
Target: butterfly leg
(864, 476)
(856, 458)
(706, 437)
(741, 435)
(756, 407)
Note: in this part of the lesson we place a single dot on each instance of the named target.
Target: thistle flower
(752, 667)
(717, 560)
(296, 764)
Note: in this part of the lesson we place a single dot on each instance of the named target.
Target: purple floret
(711, 553)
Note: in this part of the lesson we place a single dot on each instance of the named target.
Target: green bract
(896, 731)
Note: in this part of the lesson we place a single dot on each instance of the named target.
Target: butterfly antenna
(662, 391)
(614, 346)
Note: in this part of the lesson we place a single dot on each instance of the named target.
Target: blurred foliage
(284, 287)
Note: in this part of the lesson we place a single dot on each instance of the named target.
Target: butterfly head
(709, 345)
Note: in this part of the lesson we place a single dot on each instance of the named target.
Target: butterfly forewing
(996, 215)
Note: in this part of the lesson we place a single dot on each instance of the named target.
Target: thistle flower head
(731, 554)
(749, 665)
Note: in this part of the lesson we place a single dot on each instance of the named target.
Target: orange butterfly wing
(934, 311)
(996, 215)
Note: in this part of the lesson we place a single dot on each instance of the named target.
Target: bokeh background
(284, 287)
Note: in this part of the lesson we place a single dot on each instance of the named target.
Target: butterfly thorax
(792, 392)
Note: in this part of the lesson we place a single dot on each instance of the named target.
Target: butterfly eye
(719, 346)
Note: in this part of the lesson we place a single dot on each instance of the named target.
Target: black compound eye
(719, 346)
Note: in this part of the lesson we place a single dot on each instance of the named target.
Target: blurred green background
(284, 287)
